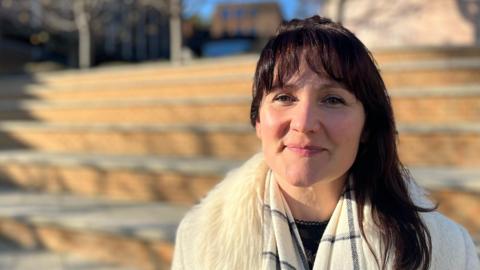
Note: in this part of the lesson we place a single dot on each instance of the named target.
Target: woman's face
(310, 129)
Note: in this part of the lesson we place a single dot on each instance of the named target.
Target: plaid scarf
(341, 246)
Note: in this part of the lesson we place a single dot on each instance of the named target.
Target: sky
(206, 8)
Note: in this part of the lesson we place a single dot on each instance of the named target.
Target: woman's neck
(314, 203)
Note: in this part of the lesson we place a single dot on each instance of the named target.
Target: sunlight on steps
(113, 157)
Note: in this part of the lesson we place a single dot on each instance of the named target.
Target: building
(245, 20)
(387, 23)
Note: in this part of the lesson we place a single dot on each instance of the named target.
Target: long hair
(332, 51)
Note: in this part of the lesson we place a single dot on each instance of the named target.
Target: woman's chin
(302, 180)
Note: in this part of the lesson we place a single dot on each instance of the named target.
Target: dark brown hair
(379, 177)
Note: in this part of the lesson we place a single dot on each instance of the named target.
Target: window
(240, 13)
(225, 14)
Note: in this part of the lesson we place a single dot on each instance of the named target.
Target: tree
(470, 10)
(85, 18)
(175, 31)
(74, 16)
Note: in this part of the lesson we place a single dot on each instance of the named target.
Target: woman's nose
(305, 118)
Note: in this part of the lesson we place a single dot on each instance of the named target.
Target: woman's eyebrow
(294, 86)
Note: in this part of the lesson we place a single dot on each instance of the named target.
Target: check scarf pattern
(341, 246)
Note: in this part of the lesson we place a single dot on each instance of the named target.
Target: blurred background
(116, 116)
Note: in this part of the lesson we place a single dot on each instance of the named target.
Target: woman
(328, 190)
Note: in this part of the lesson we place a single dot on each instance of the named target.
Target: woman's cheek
(340, 125)
(279, 122)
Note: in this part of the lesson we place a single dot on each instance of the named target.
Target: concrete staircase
(103, 164)
(14, 257)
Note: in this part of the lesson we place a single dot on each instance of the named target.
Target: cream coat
(224, 230)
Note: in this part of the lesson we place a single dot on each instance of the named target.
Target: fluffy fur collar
(229, 218)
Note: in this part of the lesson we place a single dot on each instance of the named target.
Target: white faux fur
(224, 230)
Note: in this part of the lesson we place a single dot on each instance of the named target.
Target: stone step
(398, 74)
(165, 71)
(431, 73)
(386, 55)
(237, 64)
(153, 178)
(411, 105)
(420, 144)
(221, 109)
(439, 145)
(447, 178)
(437, 105)
(218, 84)
(15, 257)
(139, 235)
(221, 140)
(137, 178)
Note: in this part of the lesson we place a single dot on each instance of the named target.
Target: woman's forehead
(303, 74)
(305, 77)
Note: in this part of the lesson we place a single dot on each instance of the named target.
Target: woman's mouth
(305, 151)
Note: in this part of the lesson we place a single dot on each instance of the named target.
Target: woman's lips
(305, 151)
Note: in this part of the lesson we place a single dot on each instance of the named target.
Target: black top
(311, 233)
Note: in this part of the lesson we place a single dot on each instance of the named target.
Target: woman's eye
(333, 101)
(284, 98)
